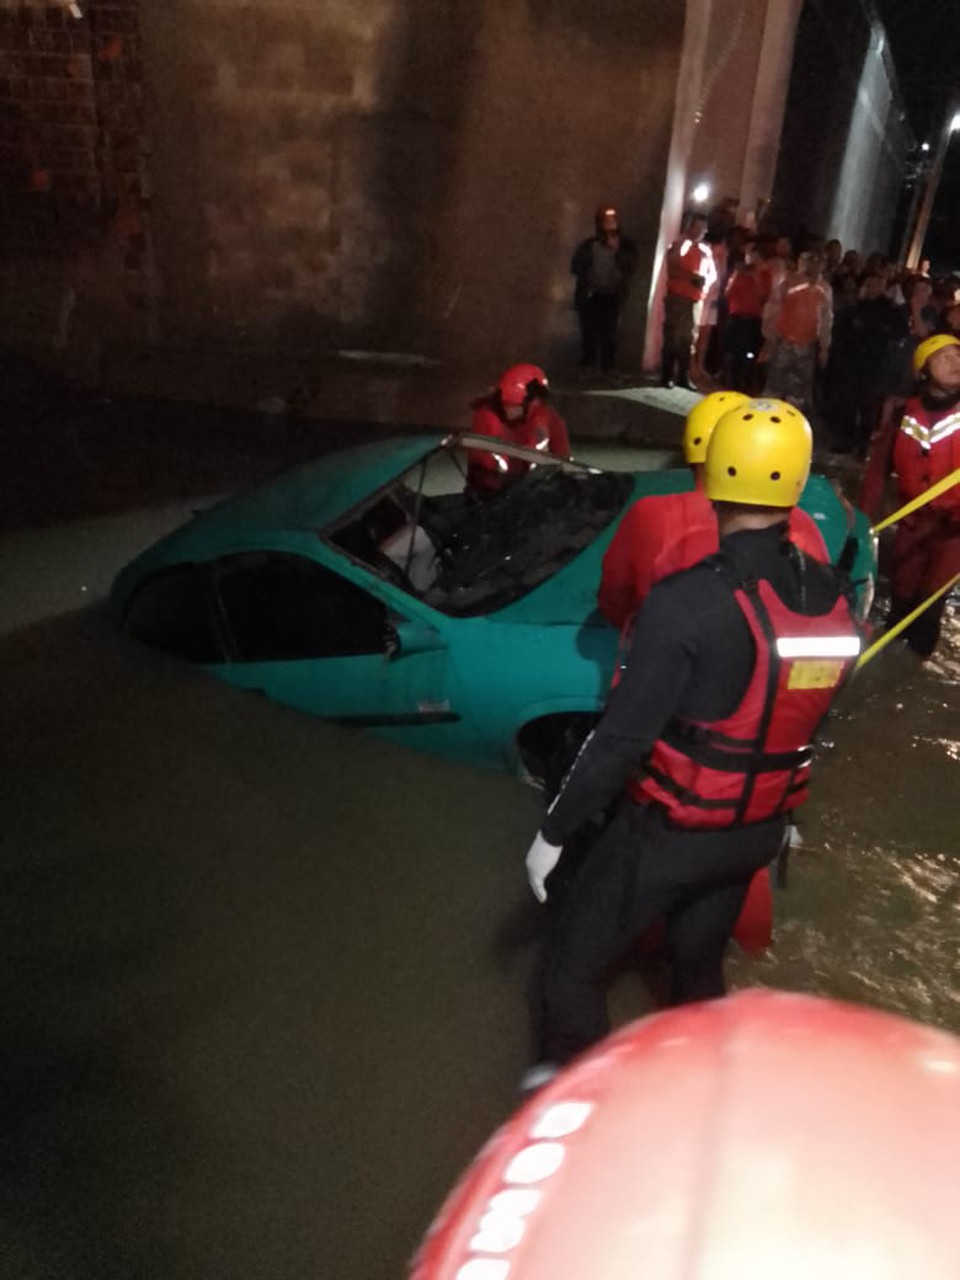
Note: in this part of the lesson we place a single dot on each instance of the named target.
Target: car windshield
(469, 546)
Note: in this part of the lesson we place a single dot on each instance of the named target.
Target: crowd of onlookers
(832, 331)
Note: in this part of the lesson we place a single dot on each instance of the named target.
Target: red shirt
(747, 292)
(666, 533)
(805, 306)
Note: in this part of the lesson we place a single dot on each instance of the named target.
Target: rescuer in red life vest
(769, 1136)
(690, 274)
(922, 449)
(516, 411)
(667, 532)
(732, 666)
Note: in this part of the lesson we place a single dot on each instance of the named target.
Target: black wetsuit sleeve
(658, 669)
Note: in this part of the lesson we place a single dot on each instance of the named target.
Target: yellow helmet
(929, 347)
(703, 417)
(760, 455)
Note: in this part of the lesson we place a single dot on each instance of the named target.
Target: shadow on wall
(568, 105)
(413, 163)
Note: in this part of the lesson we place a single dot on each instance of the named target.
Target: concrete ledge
(391, 388)
(632, 415)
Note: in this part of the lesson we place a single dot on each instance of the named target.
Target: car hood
(570, 595)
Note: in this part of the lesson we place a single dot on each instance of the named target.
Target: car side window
(173, 611)
(285, 607)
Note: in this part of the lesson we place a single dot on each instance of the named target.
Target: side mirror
(405, 638)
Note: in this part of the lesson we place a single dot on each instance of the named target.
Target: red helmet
(764, 1135)
(514, 384)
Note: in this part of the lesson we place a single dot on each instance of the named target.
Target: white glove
(541, 860)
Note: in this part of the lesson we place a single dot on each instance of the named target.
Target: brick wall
(48, 169)
(74, 206)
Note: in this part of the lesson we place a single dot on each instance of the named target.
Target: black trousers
(599, 316)
(742, 340)
(677, 337)
(640, 871)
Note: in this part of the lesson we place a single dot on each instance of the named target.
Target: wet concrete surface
(264, 979)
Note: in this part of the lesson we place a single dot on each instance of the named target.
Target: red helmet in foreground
(761, 1137)
(514, 383)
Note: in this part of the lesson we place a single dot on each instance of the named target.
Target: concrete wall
(400, 174)
(845, 140)
(407, 175)
(724, 100)
(730, 99)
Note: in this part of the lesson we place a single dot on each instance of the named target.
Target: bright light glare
(955, 123)
(535, 1163)
(925, 146)
(561, 1120)
(484, 1269)
(701, 192)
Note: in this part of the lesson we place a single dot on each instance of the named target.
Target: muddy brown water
(263, 979)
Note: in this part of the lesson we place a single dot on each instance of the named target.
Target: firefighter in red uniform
(516, 411)
(667, 532)
(922, 449)
(706, 740)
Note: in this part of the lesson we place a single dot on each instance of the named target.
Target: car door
(305, 635)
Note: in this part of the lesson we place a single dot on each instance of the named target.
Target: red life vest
(541, 428)
(927, 448)
(755, 763)
(695, 257)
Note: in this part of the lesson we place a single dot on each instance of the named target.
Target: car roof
(309, 497)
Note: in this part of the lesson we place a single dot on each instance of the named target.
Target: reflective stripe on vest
(944, 428)
(916, 430)
(927, 436)
(818, 646)
(755, 763)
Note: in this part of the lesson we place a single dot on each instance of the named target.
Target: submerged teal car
(373, 588)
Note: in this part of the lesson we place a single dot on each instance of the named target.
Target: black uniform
(598, 304)
(691, 655)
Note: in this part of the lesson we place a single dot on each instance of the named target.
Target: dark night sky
(925, 41)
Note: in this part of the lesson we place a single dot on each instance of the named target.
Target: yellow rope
(921, 501)
(904, 623)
